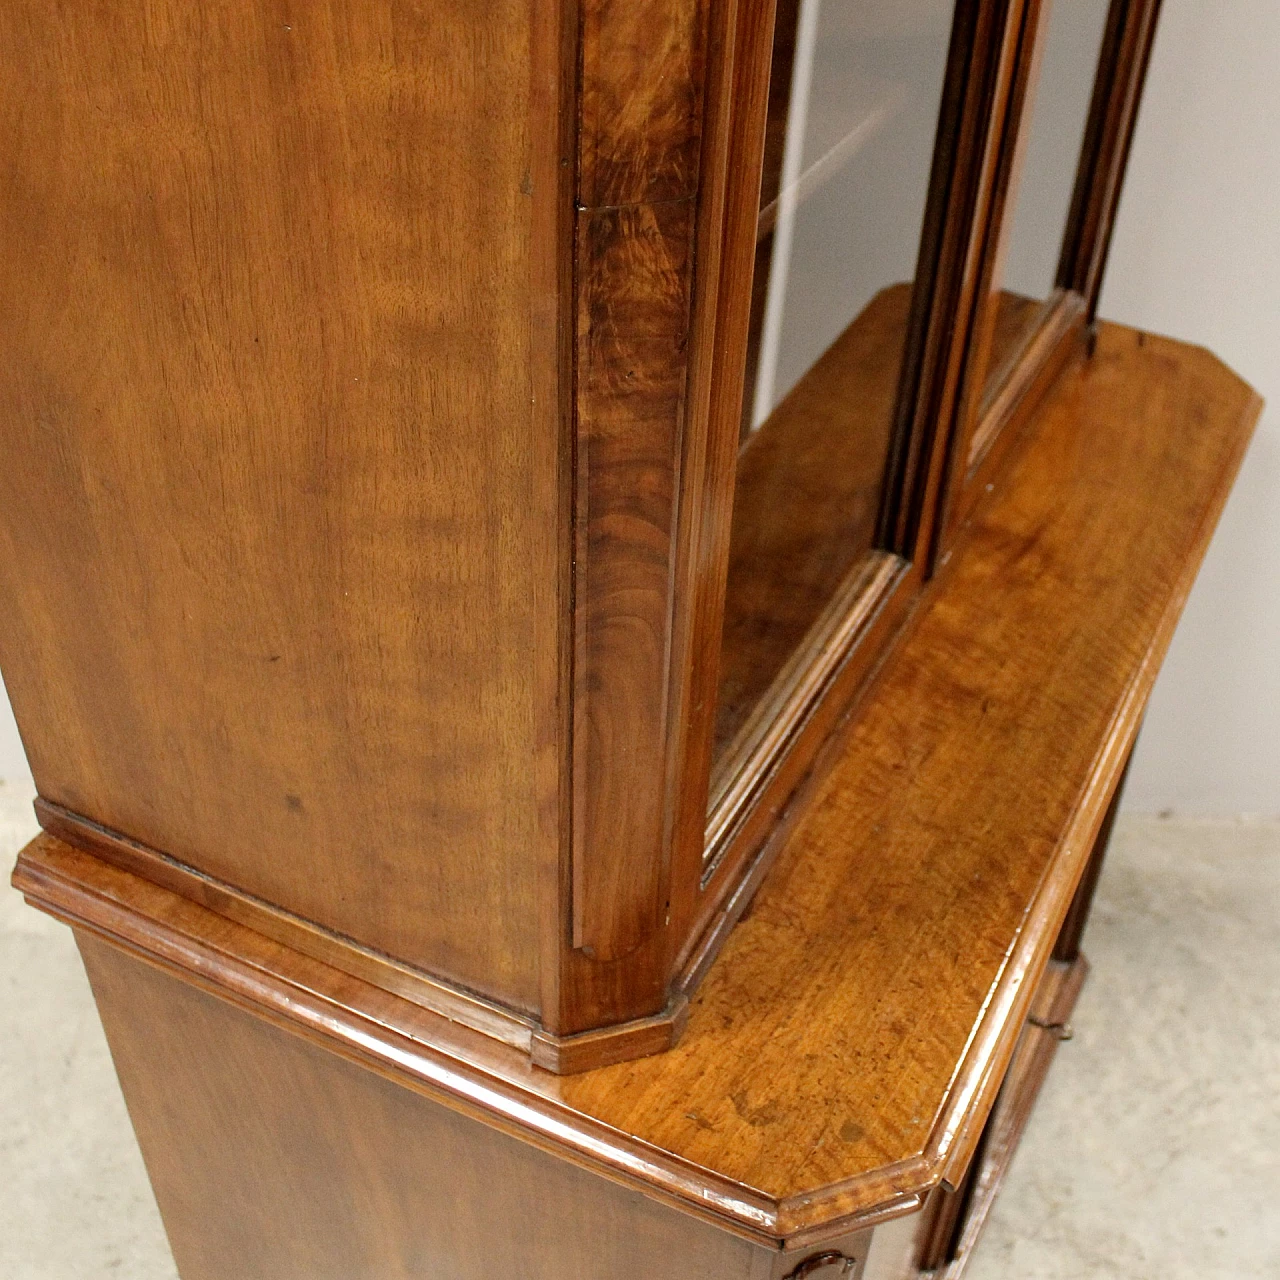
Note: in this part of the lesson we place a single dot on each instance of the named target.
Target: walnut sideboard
(579, 580)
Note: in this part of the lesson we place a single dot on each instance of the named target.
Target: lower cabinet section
(953, 1218)
(939, 1241)
(895, 1248)
(830, 1264)
(274, 1158)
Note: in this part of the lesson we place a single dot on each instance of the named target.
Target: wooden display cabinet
(579, 580)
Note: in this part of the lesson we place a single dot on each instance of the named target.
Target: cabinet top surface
(854, 1026)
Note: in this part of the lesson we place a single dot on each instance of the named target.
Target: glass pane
(1070, 41)
(849, 145)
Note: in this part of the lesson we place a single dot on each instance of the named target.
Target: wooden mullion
(1126, 55)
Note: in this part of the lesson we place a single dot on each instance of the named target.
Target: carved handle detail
(831, 1259)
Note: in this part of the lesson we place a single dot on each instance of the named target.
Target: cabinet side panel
(271, 1157)
(278, 540)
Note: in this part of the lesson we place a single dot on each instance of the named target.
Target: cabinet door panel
(1062, 65)
(849, 154)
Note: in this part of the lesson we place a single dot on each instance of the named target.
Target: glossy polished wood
(1000, 327)
(639, 149)
(441, 502)
(1113, 116)
(845, 1048)
(272, 1158)
(1067, 948)
(380, 376)
(956, 226)
(388, 501)
(287, 928)
(634, 264)
(280, 542)
(1048, 120)
(960, 1216)
(357, 346)
(279, 1187)
(1041, 338)
(736, 113)
(896, 940)
(1008, 371)
(828, 672)
(1016, 319)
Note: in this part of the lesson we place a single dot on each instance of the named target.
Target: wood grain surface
(1015, 321)
(643, 66)
(634, 268)
(280, 541)
(995, 326)
(1113, 116)
(642, 92)
(936, 863)
(766, 774)
(846, 1046)
(271, 1158)
(727, 214)
(1005, 377)
(959, 1216)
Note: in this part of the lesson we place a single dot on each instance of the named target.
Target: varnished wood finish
(951, 1247)
(1058, 340)
(997, 324)
(403, 471)
(1067, 948)
(372, 452)
(1015, 350)
(846, 1047)
(291, 930)
(1016, 694)
(270, 1157)
(949, 417)
(980, 70)
(750, 794)
(1040, 339)
(1002, 387)
(279, 542)
(639, 149)
(376, 451)
(640, 137)
(375, 394)
(785, 734)
(728, 217)
(634, 267)
(1016, 320)
(1126, 53)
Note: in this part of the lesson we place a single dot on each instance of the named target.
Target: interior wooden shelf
(844, 1050)
(1016, 319)
(805, 502)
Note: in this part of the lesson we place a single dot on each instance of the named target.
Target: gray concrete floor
(1154, 1153)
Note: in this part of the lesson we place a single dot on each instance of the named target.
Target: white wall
(1196, 255)
(13, 763)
